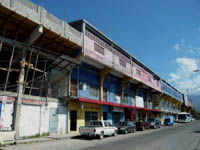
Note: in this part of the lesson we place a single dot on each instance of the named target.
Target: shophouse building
(56, 77)
(171, 100)
(111, 84)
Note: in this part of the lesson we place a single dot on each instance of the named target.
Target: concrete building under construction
(57, 76)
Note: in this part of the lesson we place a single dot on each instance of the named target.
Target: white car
(98, 128)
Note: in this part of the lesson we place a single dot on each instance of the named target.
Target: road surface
(179, 137)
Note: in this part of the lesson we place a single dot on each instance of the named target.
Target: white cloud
(174, 77)
(191, 49)
(182, 42)
(184, 77)
(176, 47)
(186, 66)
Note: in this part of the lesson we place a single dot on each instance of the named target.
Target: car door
(129, 126)
(107, 128)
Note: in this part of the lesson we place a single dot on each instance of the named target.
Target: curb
(45, 139)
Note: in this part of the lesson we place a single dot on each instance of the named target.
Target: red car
(142, 125)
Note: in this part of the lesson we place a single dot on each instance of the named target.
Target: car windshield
(182, 116)
(122, 123)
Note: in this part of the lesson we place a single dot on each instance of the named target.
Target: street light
(195, 70)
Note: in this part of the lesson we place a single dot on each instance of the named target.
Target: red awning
(107, 103)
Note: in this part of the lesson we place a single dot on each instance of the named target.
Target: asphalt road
(179, 137)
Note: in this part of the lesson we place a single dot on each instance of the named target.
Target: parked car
(98, 128)
(154, 122)
(142, 125)
(7, 137)
(126, 127)
(169, 121)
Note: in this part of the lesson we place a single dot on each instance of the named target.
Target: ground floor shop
(113, 114)
(81, 113)
(145, 114)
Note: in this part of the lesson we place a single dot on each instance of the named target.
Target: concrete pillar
(103, 73)
(69, 83)
(147, 97)
(122, 86)
(17, 110)
(137, 89)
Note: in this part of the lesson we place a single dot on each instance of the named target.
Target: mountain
(196, 101)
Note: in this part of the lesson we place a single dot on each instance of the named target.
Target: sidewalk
(51, 137)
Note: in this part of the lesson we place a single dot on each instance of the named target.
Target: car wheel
(115, 133)
(125, 131)
(101, 135)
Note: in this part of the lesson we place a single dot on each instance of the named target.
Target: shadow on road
(78, 137)
(196, 131)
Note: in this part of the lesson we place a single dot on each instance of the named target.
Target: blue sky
(163, 34)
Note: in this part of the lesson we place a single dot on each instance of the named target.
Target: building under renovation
(55, 76)
(37, 54)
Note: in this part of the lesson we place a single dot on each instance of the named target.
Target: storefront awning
(107, 103)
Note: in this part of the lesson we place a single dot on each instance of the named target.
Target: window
(106, 124)
(138, 72)
(89, 115)
(104, 115)
(73, 87)
(126, 99)
(149, 78)
(122, 62)
(96, 124)
(110, 124)
(104, 95)
(157, 82)
(99, 49)
(117, 98)
(93, 91)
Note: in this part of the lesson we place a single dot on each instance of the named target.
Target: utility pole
(17, 109)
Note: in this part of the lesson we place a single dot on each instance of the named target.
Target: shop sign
(117, 99)
(139, 101)
(117, 109)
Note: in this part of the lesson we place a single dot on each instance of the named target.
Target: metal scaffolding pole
(34, 73)
(29, 60)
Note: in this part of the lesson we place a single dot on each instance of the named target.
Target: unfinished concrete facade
(37, 54)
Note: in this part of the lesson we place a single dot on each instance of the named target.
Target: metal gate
(53, 120)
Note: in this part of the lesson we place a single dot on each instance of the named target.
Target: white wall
(7, 114)
(34, 119)
(29, 120)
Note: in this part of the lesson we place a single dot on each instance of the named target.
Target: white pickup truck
(98, 128)
(7, 137)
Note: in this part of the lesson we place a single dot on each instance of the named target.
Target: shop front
(80, 114)
(130, 114)
(113, 114)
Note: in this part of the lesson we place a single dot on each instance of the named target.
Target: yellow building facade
(80, 113)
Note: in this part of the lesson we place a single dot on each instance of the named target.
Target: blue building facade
(122, 86)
